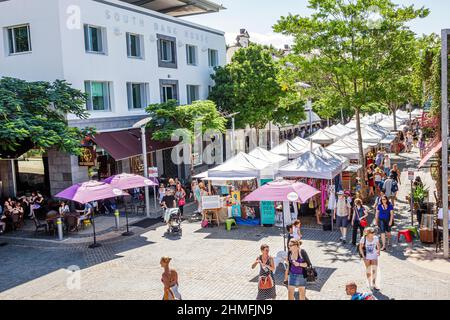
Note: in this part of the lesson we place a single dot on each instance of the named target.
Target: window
(134, 46)
(167, 52)
(192, 93)
(137, 95)
(213, 58)
(191, 54)
(98, 96)
(169, 90)
(19, 39)
(94, 39)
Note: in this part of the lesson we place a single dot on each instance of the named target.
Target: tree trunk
(394, 110)
(362, 160)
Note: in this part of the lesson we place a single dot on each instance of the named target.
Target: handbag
(311, 274)
(181, 202)
(362, 222)
(265, 282)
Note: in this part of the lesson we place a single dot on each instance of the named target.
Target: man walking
(342, 215)
(390, 189)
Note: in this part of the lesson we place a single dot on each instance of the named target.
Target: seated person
(64, 209)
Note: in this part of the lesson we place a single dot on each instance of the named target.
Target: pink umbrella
(126, 181)
(90, 191)
(285, 190)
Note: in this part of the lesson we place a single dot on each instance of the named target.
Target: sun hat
(341, 193)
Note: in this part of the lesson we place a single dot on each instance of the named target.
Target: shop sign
(88, 157)
(153, 172)
(267, 212)
(211, 202)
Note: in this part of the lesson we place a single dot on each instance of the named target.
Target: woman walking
(298, 261)
(359, 220)
(266, 282)
(370, 180)
(384, 218)
(162, 192)
(369, 249)
(170, 280)
(296, 233)
(180, 197)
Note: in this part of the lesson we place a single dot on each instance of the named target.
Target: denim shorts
(341, 222)
(383, 224)
(296, 280)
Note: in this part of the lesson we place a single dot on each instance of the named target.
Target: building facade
(123, 56)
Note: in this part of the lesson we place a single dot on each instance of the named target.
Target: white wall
(45, 61)
(59, 51)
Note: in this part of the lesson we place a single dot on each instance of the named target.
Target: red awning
(430, 154)
(126, 144)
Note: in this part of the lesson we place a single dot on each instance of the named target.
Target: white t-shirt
(371, 247)
(342, 207)
(295, 233)
(441, 216)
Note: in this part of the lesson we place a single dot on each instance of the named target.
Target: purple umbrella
(126, 181)
(90, 191)
(285, 190)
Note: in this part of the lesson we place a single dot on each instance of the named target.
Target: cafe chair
(39, 225)
(72, 223)
(230, 223)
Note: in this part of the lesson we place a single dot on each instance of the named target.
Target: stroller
(173, 219)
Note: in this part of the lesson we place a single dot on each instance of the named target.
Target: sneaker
(344, 241)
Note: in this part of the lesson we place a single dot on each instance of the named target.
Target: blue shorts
(296, 280)
(341, 222)
(383, 224)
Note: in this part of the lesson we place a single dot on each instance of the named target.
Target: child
(296, 234)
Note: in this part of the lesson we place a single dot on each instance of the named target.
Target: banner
(267, 208)
(236, 204)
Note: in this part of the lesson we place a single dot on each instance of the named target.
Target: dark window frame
(167, 64)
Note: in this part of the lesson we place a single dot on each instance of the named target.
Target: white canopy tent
(416, 112)
(288, 149)
(323, 137)
(310, 165)
(354, 142)
(242, 165)
(331, 156)
(335, 130)
(345, 149)
(402, 115)
(345, 130)
(388, 139)
(368, 135)
(268, 156)
(305, 143)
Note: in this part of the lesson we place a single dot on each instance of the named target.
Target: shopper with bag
(359, 220)
(369, 250)
(297, 267)
(266, 282)
(170, 280)
(180, 196)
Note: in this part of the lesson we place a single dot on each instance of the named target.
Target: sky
(258, 17)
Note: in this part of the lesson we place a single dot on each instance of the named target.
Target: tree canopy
(36, 112)
(250, 85)
(347, 50)
(168, 117)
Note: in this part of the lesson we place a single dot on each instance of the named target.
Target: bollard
(60, 229)
(117, 215)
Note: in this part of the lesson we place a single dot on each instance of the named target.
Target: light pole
(141, 125)
(342, 115)
(409, 108)
(309, 108)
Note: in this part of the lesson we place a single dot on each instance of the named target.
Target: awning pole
(144, 157)
(13, 171)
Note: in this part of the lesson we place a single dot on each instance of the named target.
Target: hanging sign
(88, 157)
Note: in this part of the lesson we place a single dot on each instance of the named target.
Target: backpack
(394, 187)
(363, 296)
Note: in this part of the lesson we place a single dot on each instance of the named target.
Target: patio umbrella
(90, 191)
(285, 191)
(127, 181)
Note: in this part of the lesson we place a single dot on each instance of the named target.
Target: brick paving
(212, 264)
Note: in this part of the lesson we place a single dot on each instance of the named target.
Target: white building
(123, 55)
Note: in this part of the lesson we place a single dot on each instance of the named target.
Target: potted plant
(419, 195)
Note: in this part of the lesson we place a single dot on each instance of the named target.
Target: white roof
(388, 139)
(310, 165)
(348, 148)
(345, 129)
(241, 165)
(353, 141)
(305, 143)
(368, 135)
(336, 131)
(332, 157)
(323, 137)
(268, 156)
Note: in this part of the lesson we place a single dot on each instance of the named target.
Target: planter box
(426, 236)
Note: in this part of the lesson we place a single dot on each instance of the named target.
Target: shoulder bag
(266, 282)
(309, 273)
(362, 222)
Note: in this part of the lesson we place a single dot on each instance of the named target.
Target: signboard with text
(88, 157)
(153, 172)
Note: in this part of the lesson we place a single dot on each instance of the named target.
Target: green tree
(341, 49)
(36, 112)
(250, 85)
(169, 116)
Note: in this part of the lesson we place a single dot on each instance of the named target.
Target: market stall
(323, 138)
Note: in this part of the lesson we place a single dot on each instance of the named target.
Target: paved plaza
(212, 264)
